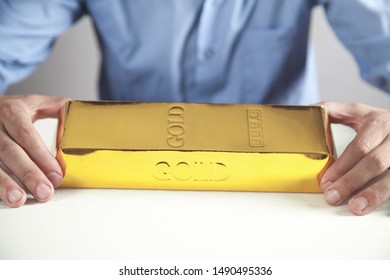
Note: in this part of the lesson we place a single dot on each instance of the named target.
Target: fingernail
(325, 185)
(14, 196)
(360, 203)
(43, 191)
(332, 196)
(55, 178)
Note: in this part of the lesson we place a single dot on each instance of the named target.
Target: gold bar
(187, 146)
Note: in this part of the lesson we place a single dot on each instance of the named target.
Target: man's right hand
(24, 158)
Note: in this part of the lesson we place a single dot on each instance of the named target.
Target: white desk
(136, 224)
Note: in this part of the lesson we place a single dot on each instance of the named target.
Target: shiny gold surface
(193, 146)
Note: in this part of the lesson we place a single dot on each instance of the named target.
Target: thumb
(350, 114)
(40, 106)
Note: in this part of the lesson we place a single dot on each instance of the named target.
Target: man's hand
(361, 175)
(24, 158)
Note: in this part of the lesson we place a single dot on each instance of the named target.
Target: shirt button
(208, 54)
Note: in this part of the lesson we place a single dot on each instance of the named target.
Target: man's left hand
(361, 175)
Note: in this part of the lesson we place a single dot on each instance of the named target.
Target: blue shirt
(225, 51)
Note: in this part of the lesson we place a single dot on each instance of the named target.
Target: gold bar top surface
(193, 146)
(194, 127)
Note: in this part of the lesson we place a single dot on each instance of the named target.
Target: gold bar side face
(187, 146)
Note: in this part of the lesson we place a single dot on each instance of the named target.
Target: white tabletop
(138, 224)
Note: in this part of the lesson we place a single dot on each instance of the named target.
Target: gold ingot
(189, 146)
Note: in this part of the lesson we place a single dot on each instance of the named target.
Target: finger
(10, 192)
(20, 164)
(350, 114)
(44, 106)
(371, 135)
(22, 131)
(11, 175)
(364, 172)
(371, 197)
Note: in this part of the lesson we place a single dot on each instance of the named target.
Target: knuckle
(335, 172)
(381, 121)
(31, 98)
(6, 109)
(10, 109)
(377, 162)
(356, 106)
(6, 183)
(379, 193)
(350, 183)
(382, 192)
(361, 147)
(378, 119)
(7, 149)
(29, 178)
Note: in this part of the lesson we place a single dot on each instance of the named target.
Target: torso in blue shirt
(213, 51)
(224, 51)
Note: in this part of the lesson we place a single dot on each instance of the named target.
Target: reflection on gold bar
(186, 146)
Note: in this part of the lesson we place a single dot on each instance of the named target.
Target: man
(222, 51)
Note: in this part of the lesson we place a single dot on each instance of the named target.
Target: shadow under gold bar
(189, 146)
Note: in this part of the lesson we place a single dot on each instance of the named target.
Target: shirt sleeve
(27, 33)
(364, 28)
